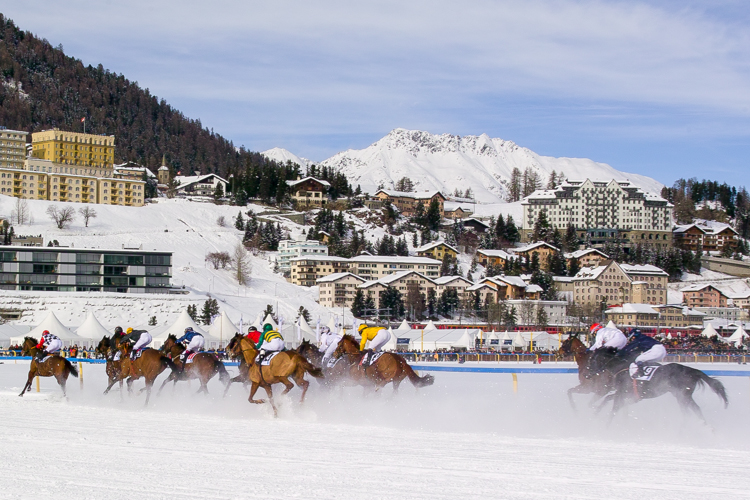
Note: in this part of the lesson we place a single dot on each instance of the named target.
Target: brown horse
(149, 365)
(590, 381)
(334, 375)
(56, 366)
(118, 370)
(284, 365)
(203, 367)
(389, 367)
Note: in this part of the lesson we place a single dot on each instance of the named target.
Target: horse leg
(269, 391)
(171, 377)
(607, 399)
(288, 385)
(686, 401)
(619, 402)
(28, 382)
(253, 390)
(112, 381)
(303, 384)
(149, 384)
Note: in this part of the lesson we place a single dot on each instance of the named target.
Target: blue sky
(657, 88)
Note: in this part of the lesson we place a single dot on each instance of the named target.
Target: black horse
(679, 380)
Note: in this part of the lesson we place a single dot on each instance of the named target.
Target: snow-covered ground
(468, 436)
(190, 231)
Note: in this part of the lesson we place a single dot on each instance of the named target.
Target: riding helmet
(267, 327)
(118, 330)
(361, 327)
(189, 329)
(252, 329)
(129, 330)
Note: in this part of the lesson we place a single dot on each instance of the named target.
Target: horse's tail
(71, 367)
(223, 374)
(309, 367)
(415, 379)
(168, 363)
(716, 386)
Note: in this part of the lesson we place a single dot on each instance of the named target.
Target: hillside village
(560, 258)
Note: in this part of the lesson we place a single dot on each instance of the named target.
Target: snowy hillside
(448, 161)
(282, 156)
(190, 231)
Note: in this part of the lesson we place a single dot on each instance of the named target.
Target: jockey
(195, 343)
(378, 337)
(49, 344)
(328, 343)
(607, 337)
(140, 338)
(270, 341)
(253, 335)
(647, 349)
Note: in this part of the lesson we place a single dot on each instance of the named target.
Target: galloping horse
(117, 371)
(389, 367)
(679, 380)
(203, 367)
(588, 380)
(284, 365)
(55, 366)
(336, 374)
(149, 365)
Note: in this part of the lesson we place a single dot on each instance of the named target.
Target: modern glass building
(84, 270)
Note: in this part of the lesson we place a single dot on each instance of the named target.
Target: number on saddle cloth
(647, 372)
(266, 359)
(370, 358)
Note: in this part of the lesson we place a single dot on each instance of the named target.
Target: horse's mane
(349, 337)
(172, 336)
(31, 339)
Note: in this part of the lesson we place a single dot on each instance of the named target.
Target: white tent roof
(391, 344)
(445, 338)
(92, 329)
(178, 328)
(611, 324)
(55, 327)
(709, 331)
(257, 323)
(519, 341)
(404, 326)
(269, 320)
(738, 336)
(430, 326)
(222, 328)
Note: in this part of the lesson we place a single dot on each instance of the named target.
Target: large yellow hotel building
(71, 167)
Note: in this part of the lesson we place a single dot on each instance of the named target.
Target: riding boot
(184, 358)
(40, 356)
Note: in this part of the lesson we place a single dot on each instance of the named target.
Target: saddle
(138, 353)
(369, 358)
(190, 358)
(265, 358)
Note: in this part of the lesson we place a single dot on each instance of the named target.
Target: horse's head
(233, 347)
(305, 348)
(28, 344)
(103, 346)
(347, 345)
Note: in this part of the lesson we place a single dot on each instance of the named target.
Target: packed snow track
(468, 436)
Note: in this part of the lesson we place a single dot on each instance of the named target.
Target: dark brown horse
(203, 367)
(284, 365)
(117, 370)
(56, 366)
(389, 367)
(336, 374)
(590, 381)
(149, 365)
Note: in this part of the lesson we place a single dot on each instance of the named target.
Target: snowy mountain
(282, 156)
(447, 162)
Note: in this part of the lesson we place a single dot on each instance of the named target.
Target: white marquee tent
(178, 329)
(709, 332)
(55, 327)
(519, 341)
(92, 329)
(223, 329)
(739, 336)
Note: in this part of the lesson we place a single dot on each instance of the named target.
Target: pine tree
(431, 303)
(512, 235)
(434, 215)
(303, 312)
(152, 321)
(192, 311)
(500, 232)
(358, 305)
(541, 227)
(210, 309)
(571, 243)
(239, 222)
(515, 184)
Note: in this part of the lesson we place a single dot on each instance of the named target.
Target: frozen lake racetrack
(468, 436)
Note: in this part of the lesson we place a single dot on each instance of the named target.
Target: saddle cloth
(648, 372)
(140, 352)
(332, 362)
(46, 358)
(369, 359)
(190, 358)
(267, 359)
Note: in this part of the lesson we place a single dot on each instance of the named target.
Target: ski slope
(468, 436)
(187, 229)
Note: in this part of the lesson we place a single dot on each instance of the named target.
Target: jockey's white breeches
(272, 345)
(54, 346)
(380, 340)
(143, 341)
(196, 344)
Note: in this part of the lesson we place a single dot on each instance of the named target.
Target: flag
(83, 119)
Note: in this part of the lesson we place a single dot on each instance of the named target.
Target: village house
(589, 257)
(703, 296)
(615, 283)
(309, 192)
(437, 250)
(338, 289)
(406, 203)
